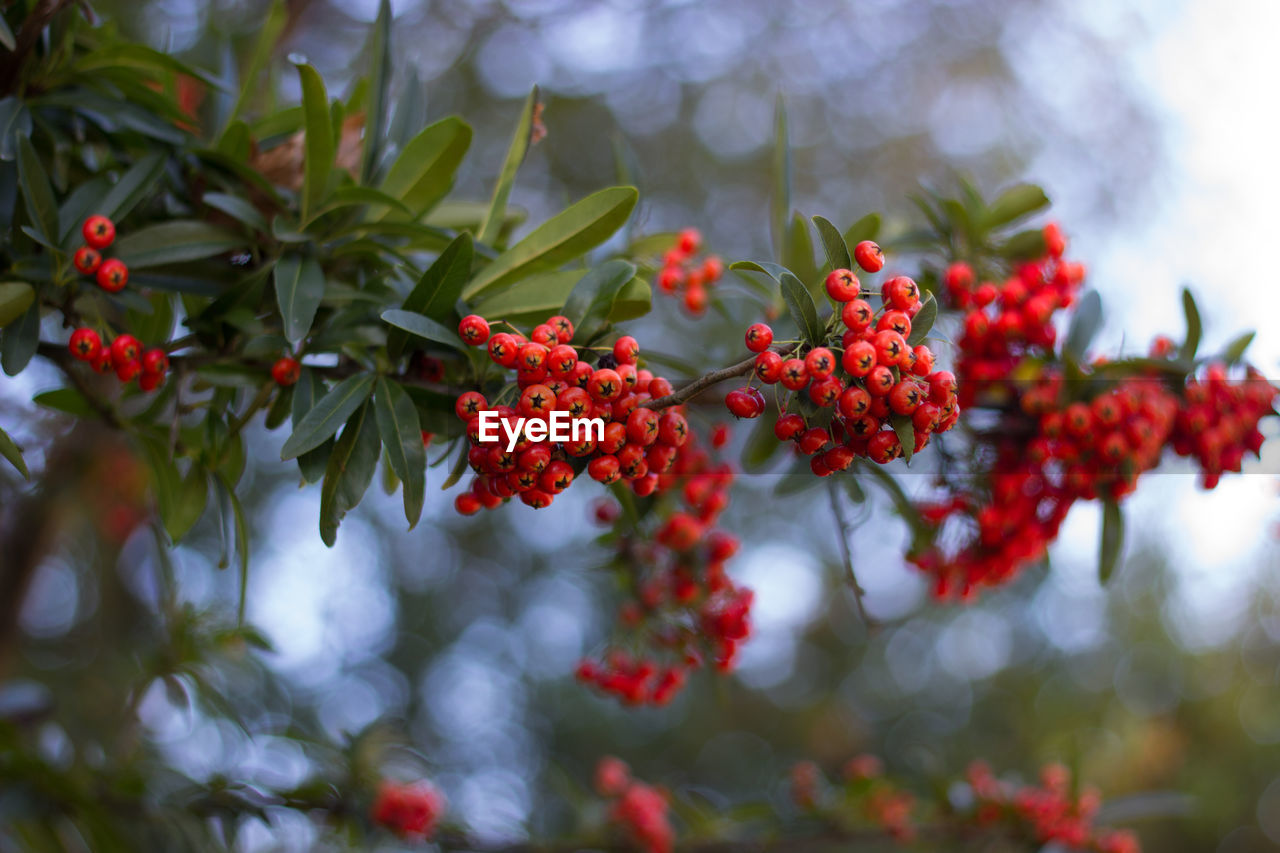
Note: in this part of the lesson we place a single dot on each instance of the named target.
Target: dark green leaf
(1112, 540)
(1195, 329)
(922, 323)
(423, 327)
(15, 298)
(437, 292)
(237, 208)
(423, 173)
(6, 36)
(635, 299)
(401, 433)
(567, 235)
(133, 186)
(774, 271)
(1015, 203)
(1233, 352)
(15, 121)
(329, 412)
(833, 242)
(491, 225)
(459, 468)
(268, 39)
(591, 299)
(1084, 325)
(349, 472)
(906, 434)
(307, 391)
(174, 242)
(803, 310)
(866, 228)
(299, 288)
(799, 256)
(67, 400)
(10, 451)
(21, 338)
(37, 194)
(531, 299)
(1024, 245)
(379, 91)
(319, 144)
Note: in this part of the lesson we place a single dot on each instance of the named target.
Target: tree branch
(846, 554)
(702, 383)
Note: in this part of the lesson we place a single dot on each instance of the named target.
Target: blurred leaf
(67, 400)
(568, 235)
(591, 299)
(906, 435)
(423, 327)
(15, 298)
(1195, 328)
(379, 91)
(1025, 245)
(459, 468)
(780, 198)
(350, 470)
(356, 196)
(1112, 540)
(37, 194)
(866, 228)
(20, 340)
(237, 208)
(1015, 203)
(774, 271)
(307, 391)
(401, 433)
(922, 323)
(6, 36)
(803, 310)
(491, 225)
(319, 143)
(799, 256)
(833, 242)
(139, 57)
(1231, 354)
(15, 122)
(1084, 325)
(902, 503)
(437, 292)
(635, 299)
(142, 178)
(299, 285)
(242, 545)
(174, 242)
(423, 173)
(762, 445)
(268, 38)
(10, 451)
(155, 324)
(329, 412)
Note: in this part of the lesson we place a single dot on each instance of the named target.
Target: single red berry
(857, 315)
(625, 350)
(794, 374)
(958, 277)
(869, 256)
(87, 260)
(533, 357)
(854, 402)
(820, 362)
(1054, 242)
(905, 397)
(126, 370)
(670, 279)
(768, 367)
(155, 360)
(695, 300)
(745, 403)
(85, 344)
(286, 371)
(719, 436)
(102, 361)
(895, 321)
(537, 400)
(890, 346)
(545, 335)
(789, 426)
(758, 337)
(825, 391)
(880, 380)
(113, 275)
(466, 504)
(605, 385)
(689, 241)
(884, 447)
(673, 429)
(124, 348)
(900, 292)
(474, 330)
(504, 349)
(98, 232)
(859, 358)
(813, 440)
(712, 269)
(469, 404)
(642, 427)
(148, 381)
(843, 285)
(563, 327)
(923, 364)
(604, 469)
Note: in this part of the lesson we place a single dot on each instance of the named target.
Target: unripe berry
(85, 344)
(87, 260)
(98, 231)
(843, 285)
(869, 256)
(759, 337)
(113, 275)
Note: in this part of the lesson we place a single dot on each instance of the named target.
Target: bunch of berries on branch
(684, 275)
(871, 389)
(555, 380)
(123, 356)
(112, 274)
(682, 608)
(636, 810)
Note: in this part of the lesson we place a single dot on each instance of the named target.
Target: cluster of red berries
(111, 274)
(1218, 421)
(638, 810)
(684, 275)
(1049, 810)
(124, 356)
(683, 607)
(871, 379)
(638, 444)
(409, 810)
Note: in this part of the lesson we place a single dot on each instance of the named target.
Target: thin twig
(842, 536)
(702, 383)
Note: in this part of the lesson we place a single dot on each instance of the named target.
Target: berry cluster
(1049, 811)
(881, 388)
(124, 356)
(684, 275)
(409, 810)
(638, 810)
(683, 607)
(111, 274)
(639, 444)
(1218, 422)
(881, 802)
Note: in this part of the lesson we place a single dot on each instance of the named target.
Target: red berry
(688, 241)
(87, 260)
(794, 374)
(820, 362)
(670, 279)
(642, 427)
(884, 447)
(768, 367)
(625, 350)
(813, 440)
(126, 370)
(98, 232)
(466, 504)
(857, 315)
(532, 357)
(469, 404)
(85, 344)
(474, 330)
(504, 349)
(891, 347)
(958, 277)
(759, 337)
(155, 360)
(604, 469)
(712, 269)
(545, 335)
(537, 400)
(853, 403)
(605, 385)
(563, 327)
(859, 358)
(843, 285)
(869, 256)
(745, 403)
(286, 371)
(900, 292)
(124, 348)
(880, 380)
(148, 381)
(905, 397)
(113, 275)
(788, 426)
(673, 430)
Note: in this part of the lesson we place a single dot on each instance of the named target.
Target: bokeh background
(1151, 125)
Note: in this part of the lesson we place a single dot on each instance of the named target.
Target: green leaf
(153, 325)
(459, 468)
(437, 292)
(423, 173)
(15, 298)
(762, 445)
(1015, 203)
(833, 242)
(491, 225)
(423, 327)
(774, 271)
(591, 299)
(531, 299)
(349, 472)
(299, 288)
(15, 122)
(1024, 245)
(799, 256)
(176, 241)
(139, 57)
(635, 299)
(401, 433)
(803, 310)
(188, 504)
(37, 194)
(133, 186)
(1084, 325)
(242, 543)
(922, 323)
(780, 199)
(6, 36)
(21, 338)
(319, 144)
(67, 400)
(1233, 352)
(354, 196)
(9, 450)
(237, 208)
(1112, 540)
(866, 228)
(906, 434)
(323, 419)
(1195, 329)
(306, 393)
(568, 235)
(263, 48)
(375, 125)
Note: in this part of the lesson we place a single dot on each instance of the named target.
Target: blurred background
(1151, 125)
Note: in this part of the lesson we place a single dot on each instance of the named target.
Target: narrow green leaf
(1111, 542)
(174, 242)
(531, 299)
(20, 340)
(491, 225)
(237, 208)
(833, 242)
(1084, 325)
(307, 391)
(1195, 328)
(866, 228)
(133, 186)
(67, 400)
(268, 38)
(37, 194)
(922, 323)
(1013, 204)
(242, 545)
(906, 434)
(780, 200)
(423, 173)
(9, 450)
(1231, 354)
(189, 500)
(329, 412)
(799, 255)
(423, 327)
(349, 472)
(459, 468)
(437, 292)
(6, 36)
(319, 144)
(803, 310)
(15, 298)
(15, 122)
(774, 271)
(299, 285)
(591, 299)
(401, 433)
(375, 125)
(568, 235)
(1024, 245)
(410, 113)
(355, 196)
